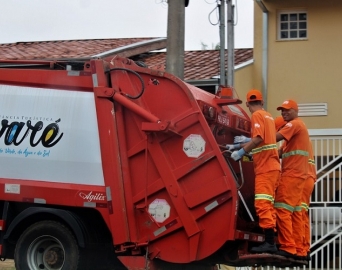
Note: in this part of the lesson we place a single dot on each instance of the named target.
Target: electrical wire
(135, 73)
(218, 19)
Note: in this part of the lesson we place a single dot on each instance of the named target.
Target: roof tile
(198, 65)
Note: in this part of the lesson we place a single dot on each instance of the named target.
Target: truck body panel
(134, 154)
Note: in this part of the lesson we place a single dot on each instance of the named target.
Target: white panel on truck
(49, 135)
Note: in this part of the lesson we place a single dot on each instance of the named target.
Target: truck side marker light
(34, 200)
(95, 205)
(94, 75)
(89, 204)
(109, 200)
(249, 236)
(12, 188)
(164, 228)
(211, 206)
(73, 73)
(39, 200)
(217, 202)
(101, 205)
(95, 82)
(108, 194)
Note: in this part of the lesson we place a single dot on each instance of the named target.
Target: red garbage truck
(112, 165)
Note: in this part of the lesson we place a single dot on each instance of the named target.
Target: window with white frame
(292, 25)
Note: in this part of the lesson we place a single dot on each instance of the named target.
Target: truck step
(265, 259)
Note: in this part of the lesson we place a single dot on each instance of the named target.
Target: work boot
(265, 248)
(308, 257)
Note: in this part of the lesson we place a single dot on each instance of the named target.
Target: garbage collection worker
(307, 191)
(262, 145)
(295, 158)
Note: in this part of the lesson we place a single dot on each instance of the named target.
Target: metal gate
(326, 203)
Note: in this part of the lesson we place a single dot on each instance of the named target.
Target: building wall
(307, 71)
(243, 85)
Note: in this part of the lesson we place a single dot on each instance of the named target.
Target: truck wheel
(46, 245)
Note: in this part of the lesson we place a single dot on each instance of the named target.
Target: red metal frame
(141, 142)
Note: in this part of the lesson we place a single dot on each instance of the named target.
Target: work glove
(237, 155)
(241, 139)
(232, 147)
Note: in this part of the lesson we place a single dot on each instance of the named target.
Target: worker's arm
(279, 137)
(246, 147)
(253, 143)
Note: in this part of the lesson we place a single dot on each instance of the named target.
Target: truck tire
(46, 245)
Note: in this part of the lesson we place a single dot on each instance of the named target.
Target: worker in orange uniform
(307, 190)
(295, 158)
(262, 145)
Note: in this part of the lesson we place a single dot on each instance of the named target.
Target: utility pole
(230, 41)
(175, 37)
(222, 13)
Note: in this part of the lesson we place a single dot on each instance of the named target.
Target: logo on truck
(90, 196)
(16, 132)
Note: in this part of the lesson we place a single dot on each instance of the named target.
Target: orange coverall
(308, 188)
(266, 167)
(289, 192)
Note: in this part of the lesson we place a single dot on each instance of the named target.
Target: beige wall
(307, 71)
(243, 83)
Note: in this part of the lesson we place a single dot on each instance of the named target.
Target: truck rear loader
(107, 164)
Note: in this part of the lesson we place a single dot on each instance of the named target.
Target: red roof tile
(198, 65)
(63, 48)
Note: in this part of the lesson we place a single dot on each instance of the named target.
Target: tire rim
(46, 252)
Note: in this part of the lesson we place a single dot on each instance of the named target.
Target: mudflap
(266, 259)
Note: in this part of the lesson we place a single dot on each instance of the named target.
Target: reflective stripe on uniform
(305, 206)
(298, 208)
(264, 197)
(284, 205)
(311, 161)
(263, 148)
(294, 153)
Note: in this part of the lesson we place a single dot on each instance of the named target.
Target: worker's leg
(298, 230)
(288, 195)
(264, 198)
(264, 206)
(307, 190)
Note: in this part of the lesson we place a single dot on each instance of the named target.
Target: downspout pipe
(264, 50)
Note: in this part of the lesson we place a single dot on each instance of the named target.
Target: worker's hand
(237, 155)
(232, 147)
(241, 139)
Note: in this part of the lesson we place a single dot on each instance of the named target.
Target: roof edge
(135, 48)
